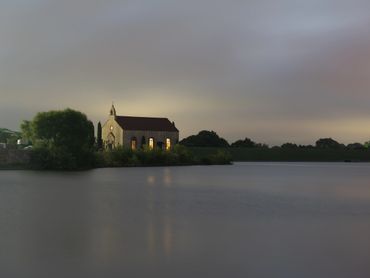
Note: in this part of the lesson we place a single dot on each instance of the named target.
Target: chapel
(138, 132)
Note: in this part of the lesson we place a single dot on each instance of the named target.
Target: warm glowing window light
(168, 144)
(151, 143)
(133, 144)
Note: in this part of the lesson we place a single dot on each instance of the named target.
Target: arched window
(151, 143)
(133, 143)
(168, 144)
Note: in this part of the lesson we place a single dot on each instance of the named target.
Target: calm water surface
(246, 220)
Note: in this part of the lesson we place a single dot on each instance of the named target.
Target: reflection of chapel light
(150, 179)
(167, 178)
(167, 236)
(151, 239)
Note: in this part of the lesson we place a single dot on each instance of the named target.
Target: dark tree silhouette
(205, 138)
(246, 143)
(328, 143)
(356, 146)
(99, 140)
(289, 146)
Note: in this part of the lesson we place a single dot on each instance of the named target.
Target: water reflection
(246, 220)
(159, 219)
(167, 177)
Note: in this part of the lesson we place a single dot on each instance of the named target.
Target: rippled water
(246, 220)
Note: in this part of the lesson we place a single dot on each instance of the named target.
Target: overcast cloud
(275, 71)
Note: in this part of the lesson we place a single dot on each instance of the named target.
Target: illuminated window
(168, 144)
(133, 143)
(151, 143)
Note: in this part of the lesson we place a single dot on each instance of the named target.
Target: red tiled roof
(144, 123)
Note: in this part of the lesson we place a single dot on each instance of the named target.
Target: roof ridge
(146, 123)
(143, 117)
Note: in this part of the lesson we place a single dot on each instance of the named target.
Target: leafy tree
(63, 139)
(355, 146)
(26, 130)
(328, 143)
(367, 145)
(246, 143)
(205, 139)
(306, 146)
(262, 146)
(289, 146)
(67, 128)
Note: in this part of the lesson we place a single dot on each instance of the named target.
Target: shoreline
(25, 168)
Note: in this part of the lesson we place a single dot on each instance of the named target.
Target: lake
(245, 220)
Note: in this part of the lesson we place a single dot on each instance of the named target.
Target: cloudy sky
(272, 70)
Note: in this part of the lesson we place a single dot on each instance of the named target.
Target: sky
(272, 70)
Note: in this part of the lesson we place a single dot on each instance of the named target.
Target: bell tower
(112, 112)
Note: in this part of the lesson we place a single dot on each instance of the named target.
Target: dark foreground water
(247, 220)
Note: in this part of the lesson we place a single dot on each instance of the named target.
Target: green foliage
(99, 140)
(8, 136)
(205, 139)
(180, 155)
(26, 130)
(67, 128)
(294, 154)
(63, 140)
(289, 146)
(367, 145)
(59, 158)
(221, 157)
(328, 143)
(356, 146)
(246, 143)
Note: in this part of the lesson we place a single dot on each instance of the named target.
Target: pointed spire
(113, 111)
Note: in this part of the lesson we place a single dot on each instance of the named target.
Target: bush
(53, 158)
(221, 157)
(180, 155)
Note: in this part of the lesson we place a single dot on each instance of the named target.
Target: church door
(111, 141)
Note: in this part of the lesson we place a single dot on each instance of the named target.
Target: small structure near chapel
(138, 132)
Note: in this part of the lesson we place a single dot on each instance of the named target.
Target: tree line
(207, 138)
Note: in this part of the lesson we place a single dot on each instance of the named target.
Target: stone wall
(158, 136)
(111, 127)
(13, 157)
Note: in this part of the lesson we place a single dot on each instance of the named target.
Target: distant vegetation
(325, 149)
(180, 155)
(212, 139)
(9, 137)
(205, 139)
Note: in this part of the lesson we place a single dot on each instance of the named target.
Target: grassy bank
(51, 158)
(14, 167)
(279, 154)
